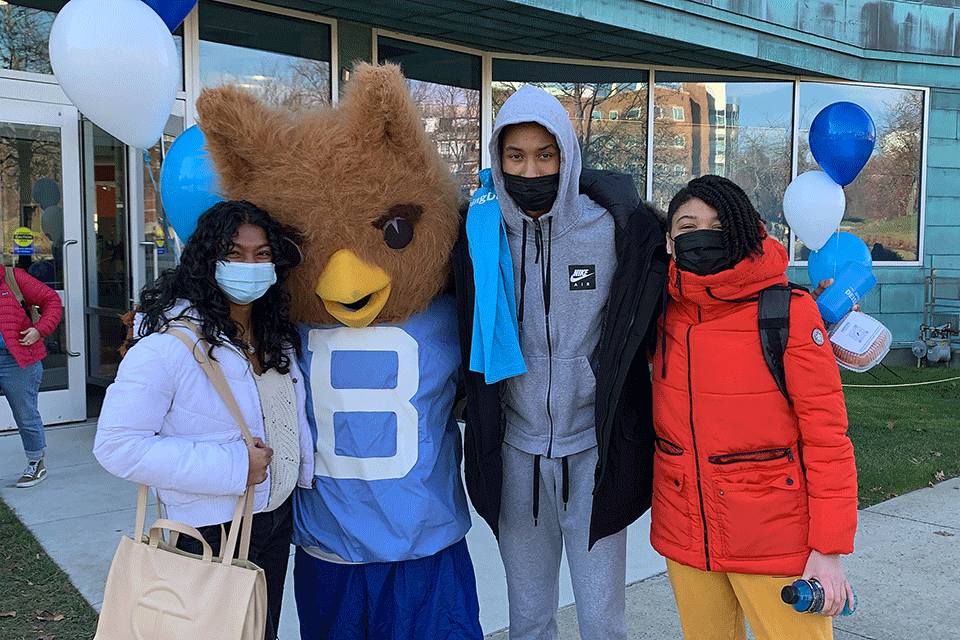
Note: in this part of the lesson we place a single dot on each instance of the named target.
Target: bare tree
(24, 34)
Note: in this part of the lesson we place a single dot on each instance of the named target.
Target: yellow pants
(712, 607)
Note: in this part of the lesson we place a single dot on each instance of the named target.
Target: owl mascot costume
(380, 538)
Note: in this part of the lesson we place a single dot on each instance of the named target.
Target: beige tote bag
(158, 592)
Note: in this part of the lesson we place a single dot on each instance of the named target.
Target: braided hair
(193, 280)
(743, 229)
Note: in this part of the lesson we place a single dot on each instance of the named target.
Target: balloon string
(160, 209)
(836, 263)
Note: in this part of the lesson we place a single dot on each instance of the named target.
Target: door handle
(72, 354)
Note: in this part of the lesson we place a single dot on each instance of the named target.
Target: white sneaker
(33, 474)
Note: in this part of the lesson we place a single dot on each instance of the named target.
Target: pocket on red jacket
(670, 511)
(761, 504)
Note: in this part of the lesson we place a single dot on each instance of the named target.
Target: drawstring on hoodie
(523, 277)
(566, 483)
(536, 488)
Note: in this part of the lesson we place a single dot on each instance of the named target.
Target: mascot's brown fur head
(375, 202)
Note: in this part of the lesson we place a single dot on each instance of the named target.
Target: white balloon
(117, 62)
(813, 205)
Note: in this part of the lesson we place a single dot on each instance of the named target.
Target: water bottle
(851, 283)
(806, 596)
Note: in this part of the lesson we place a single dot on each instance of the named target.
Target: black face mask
(532, 194)
(702, 252)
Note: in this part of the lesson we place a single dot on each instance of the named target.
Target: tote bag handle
(244, 509)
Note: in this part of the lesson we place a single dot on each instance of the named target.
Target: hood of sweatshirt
(530, 104)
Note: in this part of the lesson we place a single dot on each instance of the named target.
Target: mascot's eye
(397, 233)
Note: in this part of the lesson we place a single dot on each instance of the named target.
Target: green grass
(38, 601)
(904, 437)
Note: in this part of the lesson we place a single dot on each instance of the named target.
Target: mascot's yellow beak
(353, 291)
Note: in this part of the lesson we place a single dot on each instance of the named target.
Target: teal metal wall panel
(888, 25)
(943, 240)
(899, 275)
(942, 181)
(943, 211)
(945, 123)
(870, 303)
(943, 153)
(905, 327)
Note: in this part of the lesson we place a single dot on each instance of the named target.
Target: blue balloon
(839, 249)
(172, 12)
(188, 182)
(841, 140)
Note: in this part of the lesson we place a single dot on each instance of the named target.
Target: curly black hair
(743, 229)
(194, 280)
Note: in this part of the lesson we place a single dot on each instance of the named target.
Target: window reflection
(286, 61)
(883, 202)
(24, 38)
(445, 85)
(734, 127)
(608, 109)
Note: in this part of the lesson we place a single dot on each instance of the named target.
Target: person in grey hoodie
(534, 469)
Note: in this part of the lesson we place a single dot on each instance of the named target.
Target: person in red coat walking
(751, 490)
(21, 350)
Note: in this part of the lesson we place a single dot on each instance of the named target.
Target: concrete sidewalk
(905, 567)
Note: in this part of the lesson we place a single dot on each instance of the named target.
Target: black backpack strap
(773, 311)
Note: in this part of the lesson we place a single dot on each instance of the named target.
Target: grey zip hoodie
(563, 264)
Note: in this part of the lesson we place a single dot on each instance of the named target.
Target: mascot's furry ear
(377, 102)
(238, 128)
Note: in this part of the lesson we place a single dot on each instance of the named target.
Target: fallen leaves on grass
(49, 616)
(939, 476)
(8, 614)
(890, 424)
(876, 489)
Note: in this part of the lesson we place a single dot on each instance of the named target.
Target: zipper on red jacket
(696, 456)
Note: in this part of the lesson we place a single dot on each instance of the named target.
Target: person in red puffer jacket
(21, 350)
(751, 490)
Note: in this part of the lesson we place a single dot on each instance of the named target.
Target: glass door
(40, 231)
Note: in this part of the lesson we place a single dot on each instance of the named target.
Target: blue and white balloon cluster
(842, 138)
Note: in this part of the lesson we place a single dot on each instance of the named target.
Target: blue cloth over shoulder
(495, 348)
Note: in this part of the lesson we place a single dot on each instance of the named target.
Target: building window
(752, 147)
(679, 170)
(445, 85)
(679, 142)
(678, 114)
(616, 143)
(883, 202)
(285, 60)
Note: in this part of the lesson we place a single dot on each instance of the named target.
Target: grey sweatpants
(531, 554)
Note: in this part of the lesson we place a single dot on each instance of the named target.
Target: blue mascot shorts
(432, 598)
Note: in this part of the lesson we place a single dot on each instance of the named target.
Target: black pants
(269, 550)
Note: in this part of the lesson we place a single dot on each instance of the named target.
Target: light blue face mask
(244, 282)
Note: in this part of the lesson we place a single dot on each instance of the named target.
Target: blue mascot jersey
(387, 448)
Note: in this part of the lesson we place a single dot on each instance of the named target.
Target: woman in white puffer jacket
(164, 424)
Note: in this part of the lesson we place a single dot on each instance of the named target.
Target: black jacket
(624, 422)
